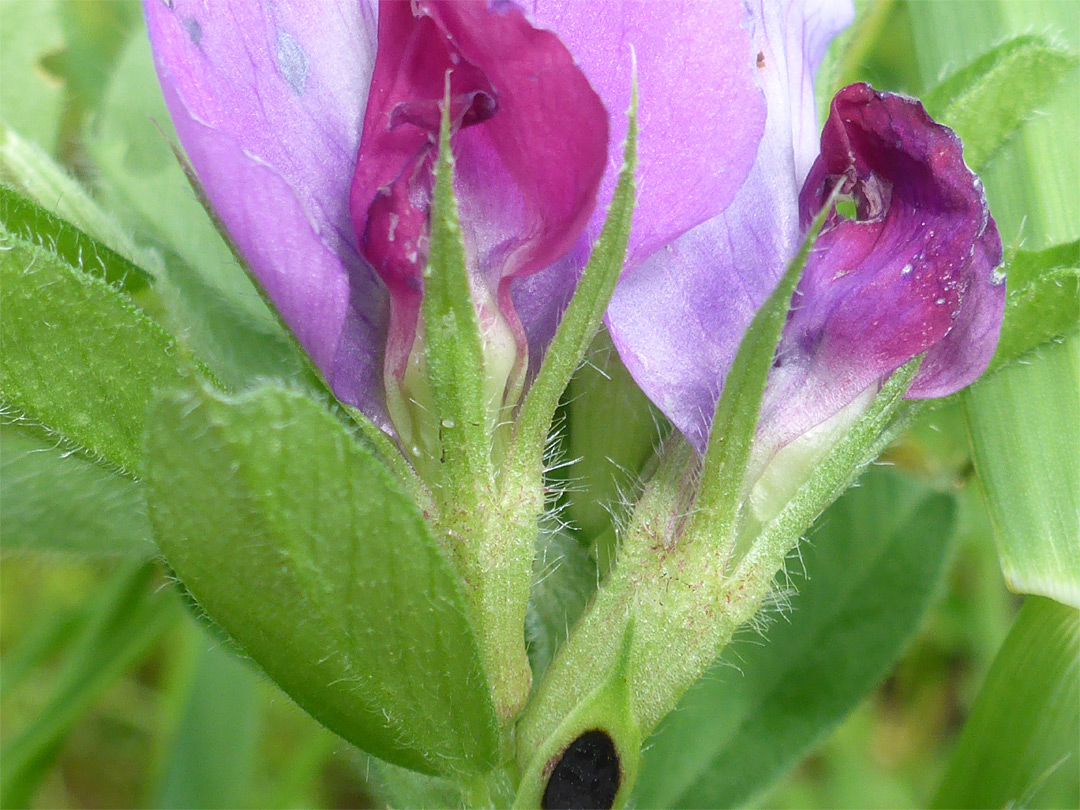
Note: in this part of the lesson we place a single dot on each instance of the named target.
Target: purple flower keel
(914, 272)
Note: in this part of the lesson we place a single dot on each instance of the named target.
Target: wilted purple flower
(286, 109)
(915, 271)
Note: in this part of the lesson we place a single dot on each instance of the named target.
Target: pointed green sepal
(453, 354)
(583, 315)
(731, 437)
(987, 101)
(490, 548)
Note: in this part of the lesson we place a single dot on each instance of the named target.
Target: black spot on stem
(587, 775)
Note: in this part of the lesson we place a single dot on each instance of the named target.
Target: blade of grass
(127, 619)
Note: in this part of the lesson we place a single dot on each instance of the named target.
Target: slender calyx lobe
(530, 142)
(915, 271)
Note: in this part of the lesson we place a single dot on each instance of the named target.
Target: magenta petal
(916, 272)
(531, 146)
(678, 317)
(549, 134)
(959, 358)
(267, 99)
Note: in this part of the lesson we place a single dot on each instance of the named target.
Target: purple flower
(310, 126)
(914, 272)
(286, 108)
(526, 182)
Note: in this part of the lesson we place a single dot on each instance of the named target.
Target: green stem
(676, 587)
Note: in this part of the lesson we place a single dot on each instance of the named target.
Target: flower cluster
(321, 132)
(312, 129)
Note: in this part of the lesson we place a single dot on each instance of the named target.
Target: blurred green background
(134, 703)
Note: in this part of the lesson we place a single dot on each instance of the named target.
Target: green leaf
(1019, 747)
(583, 315)
(987, 101)
(213, 757)
(55, 500)
(1043, 301)
(79, 358)
(1026, 449)
(870, 571)
(32, 223)
(34, 175)
(30, 41)
(734, 426)
(127, 618)
(303, 547)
